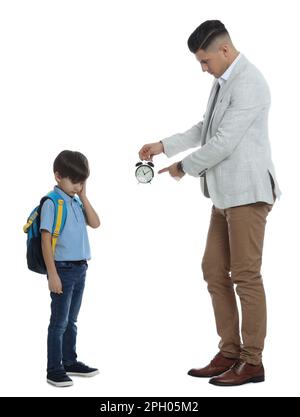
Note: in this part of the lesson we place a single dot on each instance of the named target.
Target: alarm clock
(144, 172)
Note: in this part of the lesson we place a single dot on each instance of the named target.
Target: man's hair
(73, 165)
(205, 34)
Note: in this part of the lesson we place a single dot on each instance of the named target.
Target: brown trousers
(233, 257)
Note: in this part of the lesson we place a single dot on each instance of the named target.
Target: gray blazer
(233, 159)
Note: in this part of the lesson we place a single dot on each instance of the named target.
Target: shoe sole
(253, 380)
(207, 376)
(60, 384)
(82, 374)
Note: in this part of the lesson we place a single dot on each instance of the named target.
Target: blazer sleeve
(183, 141)
(248, 100)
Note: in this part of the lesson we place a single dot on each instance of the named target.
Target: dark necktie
(214, 102)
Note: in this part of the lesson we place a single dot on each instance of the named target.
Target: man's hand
(54, 283)
(173, 171)
(147, 152)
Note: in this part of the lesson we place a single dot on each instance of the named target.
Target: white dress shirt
(227, 73)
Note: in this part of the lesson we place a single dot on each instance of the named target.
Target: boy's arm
(54, 281)
(92, 217)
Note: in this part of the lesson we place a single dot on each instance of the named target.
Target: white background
(105, 77)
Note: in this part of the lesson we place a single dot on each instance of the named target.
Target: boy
(66, 268)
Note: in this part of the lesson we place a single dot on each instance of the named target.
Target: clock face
(144, 173)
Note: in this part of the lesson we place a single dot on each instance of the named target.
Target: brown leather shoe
(239, 374)
(217, 366)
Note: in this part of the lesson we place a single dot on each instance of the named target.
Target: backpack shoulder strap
(33, 215)
(60, 215)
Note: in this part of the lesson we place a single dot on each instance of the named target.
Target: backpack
(34, 254)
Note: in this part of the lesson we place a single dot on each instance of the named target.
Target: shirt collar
(64, 195)
(224, 77)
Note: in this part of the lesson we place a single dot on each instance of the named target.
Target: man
(233, 161)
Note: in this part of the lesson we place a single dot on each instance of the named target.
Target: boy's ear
(57, 176)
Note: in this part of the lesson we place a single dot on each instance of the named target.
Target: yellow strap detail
(54, 241)
(58, 224)
(30, 221)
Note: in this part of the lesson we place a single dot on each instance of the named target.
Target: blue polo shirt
(73, 243)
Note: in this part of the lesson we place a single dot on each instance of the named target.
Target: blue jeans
(62, 330)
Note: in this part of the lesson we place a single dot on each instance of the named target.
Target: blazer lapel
(236, 70)
(208, 109)
(223, 90)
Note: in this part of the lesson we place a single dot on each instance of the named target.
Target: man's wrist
(163, 149)
(180, 167)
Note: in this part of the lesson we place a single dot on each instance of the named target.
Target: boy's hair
(205, 34)
(73, 165)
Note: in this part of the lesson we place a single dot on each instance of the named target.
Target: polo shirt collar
(64, 195)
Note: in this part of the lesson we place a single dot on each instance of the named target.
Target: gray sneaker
(59, 378)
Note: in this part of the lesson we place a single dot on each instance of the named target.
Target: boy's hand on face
(54, 284)
(82, 194)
